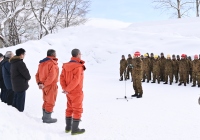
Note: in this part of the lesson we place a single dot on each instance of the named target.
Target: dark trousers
(3, 93)
(10, 96)
(19, 100)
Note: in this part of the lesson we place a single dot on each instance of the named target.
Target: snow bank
(165, 112)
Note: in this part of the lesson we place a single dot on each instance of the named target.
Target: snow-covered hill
(164, 113)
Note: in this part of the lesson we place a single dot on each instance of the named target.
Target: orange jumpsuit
(47, 75)
(71, 80)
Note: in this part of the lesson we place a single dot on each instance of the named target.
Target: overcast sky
(126, 10)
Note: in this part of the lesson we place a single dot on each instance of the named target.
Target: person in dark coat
(6, 77)
(2, 85)
(19, 78)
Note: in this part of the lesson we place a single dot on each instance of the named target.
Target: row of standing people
(14, 83)
(158, 68)
(71, 80)
(14, 77)
(164, 69)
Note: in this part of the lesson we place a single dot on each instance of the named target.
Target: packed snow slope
(164, 113)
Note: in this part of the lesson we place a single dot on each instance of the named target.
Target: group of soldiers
(157, 68)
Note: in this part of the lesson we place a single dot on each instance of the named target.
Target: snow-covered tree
(22, 20)
(13, 15)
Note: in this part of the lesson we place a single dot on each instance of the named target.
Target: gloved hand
(41, 86)
(65, 92)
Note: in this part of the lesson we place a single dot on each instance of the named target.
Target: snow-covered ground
(164, 113)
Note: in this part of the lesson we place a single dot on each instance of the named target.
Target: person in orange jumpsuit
(47, 78)
(71, 80)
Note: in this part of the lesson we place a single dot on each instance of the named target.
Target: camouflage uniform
(175, 69)
(190, 70)
(178, 60)
(137, 75)
(151, 65)
(156, 70)
(162, 68)
(129, 69)
(195, 72)
(168, 71)
(123, 65)
(183, 71)
(146, 69)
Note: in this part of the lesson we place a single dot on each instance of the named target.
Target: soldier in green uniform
(183, 70)
(190, 68)
(146, 68)
(129, 64)
(175, 68)
(123, 65)
(156, 69)
(168, 70)
(195, 71)
(151, 64)
(137, 75)
(162, 67)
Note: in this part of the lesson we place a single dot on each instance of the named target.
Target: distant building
(1, 42)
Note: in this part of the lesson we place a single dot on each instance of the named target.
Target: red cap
(195, 56)
(137, 54)
(183, 55)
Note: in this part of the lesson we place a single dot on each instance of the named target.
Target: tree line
(23, 20)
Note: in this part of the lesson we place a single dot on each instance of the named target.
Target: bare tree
(75, 12)
(197, 7)
(181, 7)
(55, 14)
(22, 20)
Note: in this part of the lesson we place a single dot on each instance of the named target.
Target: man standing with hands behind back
(71, 80)
(47, 78)
(19, 78)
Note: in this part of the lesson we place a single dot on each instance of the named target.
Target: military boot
(143, 80)
(68, 124)
(121, 79)
(170, 83)
(184, 84)
(139, 96)
(153, 81)
(75, 129)
(198, 85)
(135, 95)
(165, 83)
(193, 86)
(180, 84)
(47, 118)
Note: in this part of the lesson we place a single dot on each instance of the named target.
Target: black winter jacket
(6, 73)
(19, 74)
